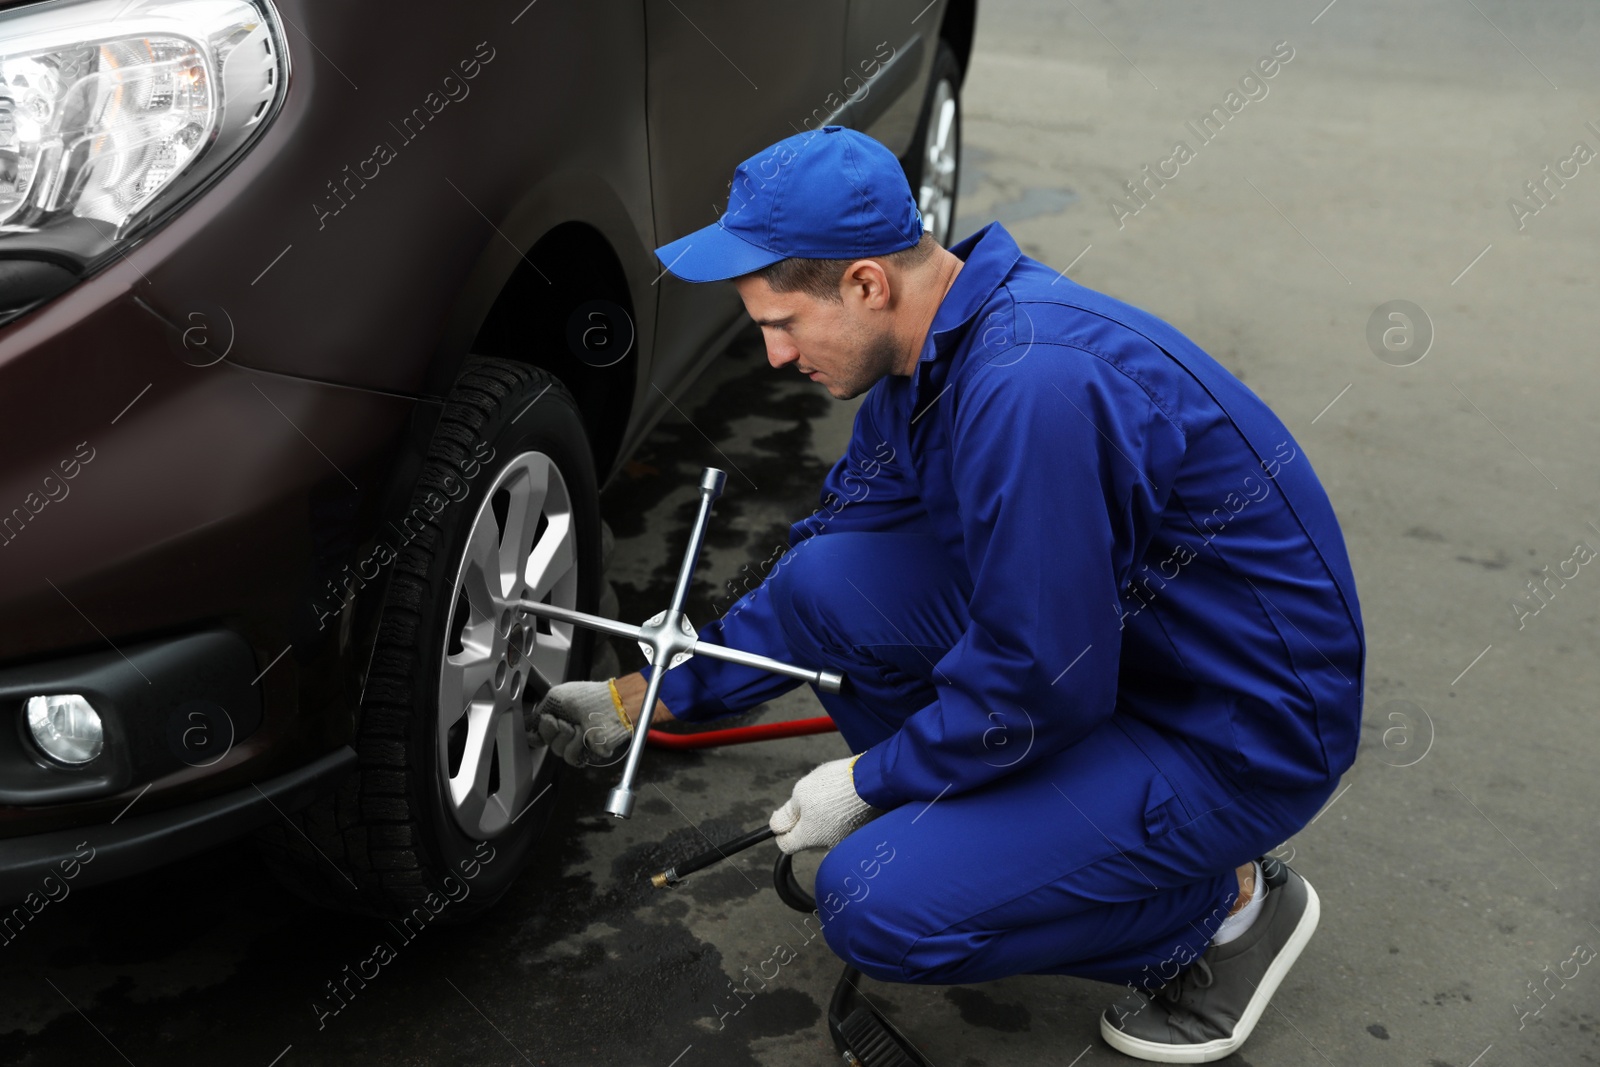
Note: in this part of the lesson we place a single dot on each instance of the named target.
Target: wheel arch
(529, 319)
(569, 240)
(959, 26)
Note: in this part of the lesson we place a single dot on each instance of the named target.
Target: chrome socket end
(619, 802)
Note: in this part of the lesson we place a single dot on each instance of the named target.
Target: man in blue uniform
(1099, 631)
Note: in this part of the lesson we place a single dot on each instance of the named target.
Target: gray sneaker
(1208, 1010)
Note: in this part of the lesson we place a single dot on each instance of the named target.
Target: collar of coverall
(989, 256)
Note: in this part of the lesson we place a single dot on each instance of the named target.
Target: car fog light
(65, 727)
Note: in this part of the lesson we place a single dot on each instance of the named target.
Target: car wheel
(450, 795)
(934, 165)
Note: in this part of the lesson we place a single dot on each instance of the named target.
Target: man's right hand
(581, 723)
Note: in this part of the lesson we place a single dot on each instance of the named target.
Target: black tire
(387, 841)
(946, 69)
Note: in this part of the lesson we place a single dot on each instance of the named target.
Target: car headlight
(111, 111)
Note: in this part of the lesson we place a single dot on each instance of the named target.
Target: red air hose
(743, 735)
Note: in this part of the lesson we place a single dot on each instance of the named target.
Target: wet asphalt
(1455, 865)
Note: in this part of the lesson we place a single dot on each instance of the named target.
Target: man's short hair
(820, 277)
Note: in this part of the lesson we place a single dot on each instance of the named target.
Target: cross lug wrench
(668, 638)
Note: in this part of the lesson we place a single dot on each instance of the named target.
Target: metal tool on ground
(863, 1037)
(668, 640)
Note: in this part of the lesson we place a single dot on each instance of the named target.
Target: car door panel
(725, 80)
(889, 48)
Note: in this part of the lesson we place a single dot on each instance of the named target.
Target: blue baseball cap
(832, 193)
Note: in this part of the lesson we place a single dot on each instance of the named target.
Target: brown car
(323, 326)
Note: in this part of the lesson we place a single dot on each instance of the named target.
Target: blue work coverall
(1099, 631)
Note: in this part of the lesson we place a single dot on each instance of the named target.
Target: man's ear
(866, 281)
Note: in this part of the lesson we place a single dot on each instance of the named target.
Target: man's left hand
(824, 809)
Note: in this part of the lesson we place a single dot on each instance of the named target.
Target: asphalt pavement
(1383, 162)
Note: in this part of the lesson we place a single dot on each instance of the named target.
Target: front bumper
(135, 843)
(163, 705)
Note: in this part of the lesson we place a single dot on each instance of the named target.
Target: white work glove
(582, 722)
(824, 809)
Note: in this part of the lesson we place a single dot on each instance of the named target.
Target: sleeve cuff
(866, 772)
(616, 702)
(686, 693)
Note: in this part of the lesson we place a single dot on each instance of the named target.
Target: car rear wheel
(934, 165)
(450, 795)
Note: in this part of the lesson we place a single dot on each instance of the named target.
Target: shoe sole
(1161, 1052)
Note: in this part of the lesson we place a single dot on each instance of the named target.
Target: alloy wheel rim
(937, 193)
(522, 545)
